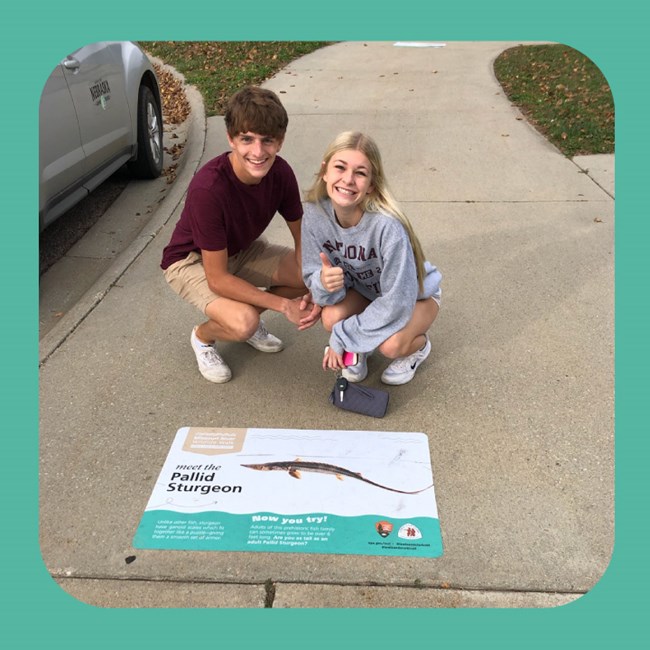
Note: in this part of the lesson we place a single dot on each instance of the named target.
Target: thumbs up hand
(330, 276)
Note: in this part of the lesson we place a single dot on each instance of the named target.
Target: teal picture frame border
(37, 613)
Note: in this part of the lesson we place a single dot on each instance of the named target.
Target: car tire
(149, 161)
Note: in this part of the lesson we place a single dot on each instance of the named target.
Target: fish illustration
(294, 468)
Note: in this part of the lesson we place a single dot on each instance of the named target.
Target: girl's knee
(329, 317)
(392, 348)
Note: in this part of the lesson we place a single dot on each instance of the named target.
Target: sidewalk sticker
(294, 490)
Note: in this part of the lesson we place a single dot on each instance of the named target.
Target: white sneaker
(402, 370)
(359, 371)
(263, 341)
(211, 365)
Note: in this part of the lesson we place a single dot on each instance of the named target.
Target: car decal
(100, 93)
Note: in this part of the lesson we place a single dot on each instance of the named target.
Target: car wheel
(149, 162)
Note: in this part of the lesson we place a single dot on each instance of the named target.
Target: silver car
(100, 109)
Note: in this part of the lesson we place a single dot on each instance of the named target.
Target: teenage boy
(217, 259)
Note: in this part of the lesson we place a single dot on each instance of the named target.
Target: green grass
(220, 68)
(562, 93)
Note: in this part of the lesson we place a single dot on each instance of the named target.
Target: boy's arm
(295, 230)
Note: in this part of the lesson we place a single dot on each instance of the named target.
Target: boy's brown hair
(257, 110)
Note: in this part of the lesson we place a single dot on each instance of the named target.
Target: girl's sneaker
(402, 370)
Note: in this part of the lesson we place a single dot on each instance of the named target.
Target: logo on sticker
(384, 528)
(409, 531)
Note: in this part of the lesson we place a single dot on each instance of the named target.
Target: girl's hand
(331, 276)
(332, 360)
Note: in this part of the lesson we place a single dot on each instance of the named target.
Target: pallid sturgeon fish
(294, 467)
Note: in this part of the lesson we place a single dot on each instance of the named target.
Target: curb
(187, 166)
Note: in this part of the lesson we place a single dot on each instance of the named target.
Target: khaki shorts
(256, 265)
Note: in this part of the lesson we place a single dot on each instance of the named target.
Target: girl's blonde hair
(380, 199)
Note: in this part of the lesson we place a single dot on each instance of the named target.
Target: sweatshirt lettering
(351, 252)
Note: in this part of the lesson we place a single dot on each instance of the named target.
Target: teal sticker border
(34, 36)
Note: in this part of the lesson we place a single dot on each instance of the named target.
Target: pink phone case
(350, 358)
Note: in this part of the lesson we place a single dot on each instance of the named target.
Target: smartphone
(349, 358)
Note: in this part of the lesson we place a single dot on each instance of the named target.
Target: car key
(341, 384)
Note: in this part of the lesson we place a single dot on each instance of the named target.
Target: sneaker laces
(210, 356)
(262, 332)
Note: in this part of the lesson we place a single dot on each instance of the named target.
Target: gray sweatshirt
(378, 261)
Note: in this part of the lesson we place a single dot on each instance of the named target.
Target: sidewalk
(516, 397)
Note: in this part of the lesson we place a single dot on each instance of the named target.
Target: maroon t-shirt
(221, 212)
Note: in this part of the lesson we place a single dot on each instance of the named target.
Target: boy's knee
(245, 323)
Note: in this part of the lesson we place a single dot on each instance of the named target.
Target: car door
(62, 160)
(95, 76)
